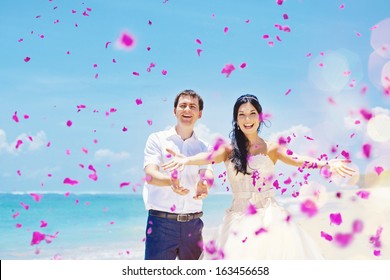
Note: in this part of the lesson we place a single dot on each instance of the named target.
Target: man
(174, 200)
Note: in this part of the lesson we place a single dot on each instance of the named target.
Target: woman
(256, 227)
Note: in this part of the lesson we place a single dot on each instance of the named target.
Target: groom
(174, 227)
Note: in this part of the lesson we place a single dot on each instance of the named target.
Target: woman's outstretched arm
(289, 157)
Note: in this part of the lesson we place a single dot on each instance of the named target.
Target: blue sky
(312, 81)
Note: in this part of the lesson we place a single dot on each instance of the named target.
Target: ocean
(81, 226)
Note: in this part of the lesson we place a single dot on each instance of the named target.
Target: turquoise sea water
(85, 226)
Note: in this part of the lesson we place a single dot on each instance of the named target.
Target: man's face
(187, 111)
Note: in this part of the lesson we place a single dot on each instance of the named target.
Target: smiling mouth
(249, 126)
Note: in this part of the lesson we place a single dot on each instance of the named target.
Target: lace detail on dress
(256, 188)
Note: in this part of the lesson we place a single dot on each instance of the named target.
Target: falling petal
(135, 73)
(18, 143)
(357, 226)
(326, 236)
(25, 206)
(285, 16)
(149, 122)
(265, 36)
(309, 208)
(366, 150)
(198, 51)
(15, 117)
(70, 181)
(260, 231)
(342, 6)
(343, 239)
(43, 224)
(279, 2)
(36, 197)
(69, 123)
(251, 210)
(228, 69)
(335, 218)
(126, 41)
(37, 237)
(173, 208)
(198, 41)
(124, 184)
(164, 72)
(226, 29)
(363, 194)
(27, 59)
(243, 65)
(378, 170)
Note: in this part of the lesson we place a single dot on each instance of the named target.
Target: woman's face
(248, 118)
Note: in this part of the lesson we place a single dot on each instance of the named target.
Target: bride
(256, 226)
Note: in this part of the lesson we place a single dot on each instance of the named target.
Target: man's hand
(177, 163)
(176, 185)
(202, 189)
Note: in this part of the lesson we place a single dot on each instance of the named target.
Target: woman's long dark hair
(239, 155)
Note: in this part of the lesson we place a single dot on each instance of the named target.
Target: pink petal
(18, 143)
(15, 117)
(25, 206)
(19, 225)
(135, 73)
(16, 215)
(226, 29)
(378, 170)
(345, 154)
(70, 181)
(326, 236)
(367, 115)
(265, 36)
(243, 65)
(84, 150)
(251, 210)
(198, 51)
(150, 22)
(357, 226)
(377, 253)
(285, 16)
(37, 237)
(69, 123)
(228, 69)
(27, 59)
(149, 122)
(173, 208)
(279, 2)
(342, 6)
(343, 239)
(335, 218)
(138, 101)
(126, 40)
(124, 184)
(309, 208)
(260, 231)
(366, 150)
(164, 72)
(198, 41)
(43, 224)
(363, 194)
(36, 197)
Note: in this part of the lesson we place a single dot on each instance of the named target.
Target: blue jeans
(167, 239)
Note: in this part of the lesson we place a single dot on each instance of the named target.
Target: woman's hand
(177, 163)
(338, 165)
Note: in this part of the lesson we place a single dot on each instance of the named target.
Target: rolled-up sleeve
(152, 152)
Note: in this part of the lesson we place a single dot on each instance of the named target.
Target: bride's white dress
(256, 226)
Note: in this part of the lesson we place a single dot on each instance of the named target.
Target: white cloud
(204, 133)
(106, 154)
(32, 142)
